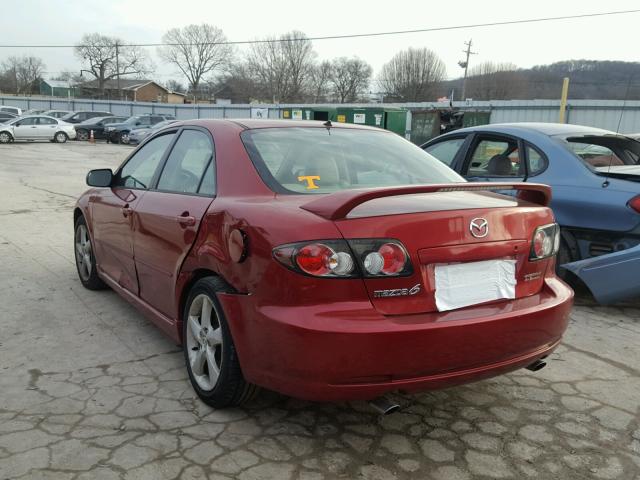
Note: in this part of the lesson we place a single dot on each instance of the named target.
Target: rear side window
(537, 161)
(189, 160)
(139, 170)
(446, 150)
(46, 121)
(321, 160)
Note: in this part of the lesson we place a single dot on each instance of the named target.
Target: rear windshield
(604, 151)
(320, 160)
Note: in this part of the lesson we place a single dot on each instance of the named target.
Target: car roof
(549, 129)
(251, 124)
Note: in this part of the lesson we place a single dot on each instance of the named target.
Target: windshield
(132, 120)
(604, 151)
(320, 160)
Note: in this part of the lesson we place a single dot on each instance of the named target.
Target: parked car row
(103, 125)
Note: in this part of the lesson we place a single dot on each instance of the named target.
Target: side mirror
(101, 177)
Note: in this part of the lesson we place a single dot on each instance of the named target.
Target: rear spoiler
(337, 205)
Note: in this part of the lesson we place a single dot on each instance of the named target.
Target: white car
(14, 110)
(36, 127)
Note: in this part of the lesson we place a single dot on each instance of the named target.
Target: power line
(359, 35)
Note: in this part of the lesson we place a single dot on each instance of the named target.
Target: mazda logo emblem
(479, 227)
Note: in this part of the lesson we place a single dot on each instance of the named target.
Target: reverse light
(635, 203)
(545, 242)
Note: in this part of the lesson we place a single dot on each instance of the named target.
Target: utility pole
(118, 69)
(465, 64)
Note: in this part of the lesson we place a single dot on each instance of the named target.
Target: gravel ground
(89, 389)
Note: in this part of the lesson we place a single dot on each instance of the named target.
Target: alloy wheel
(124, 138)
(60, 137)
(5, 137)
(83, 252)
(204, 342)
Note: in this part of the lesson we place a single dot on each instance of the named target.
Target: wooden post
(563, 100)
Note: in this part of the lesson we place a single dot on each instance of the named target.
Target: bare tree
(106, 58)
(72, 77)
(282, 65)
(495, 81)
(197, 50)
(23, 73)
(319, 82)
(175, 86)
(350, 77)
(412, 75)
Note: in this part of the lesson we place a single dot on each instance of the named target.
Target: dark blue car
(595, 178)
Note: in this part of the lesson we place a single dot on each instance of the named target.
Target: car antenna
(605, 184)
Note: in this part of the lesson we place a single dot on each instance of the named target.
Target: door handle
(126, 211)
(186, 220)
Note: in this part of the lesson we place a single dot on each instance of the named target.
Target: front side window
(26, 122)
(188, 161)
(320, 160)
(446, 150)
(496, 158)
(139, 170)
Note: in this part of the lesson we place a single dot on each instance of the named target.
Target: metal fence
(607, 114)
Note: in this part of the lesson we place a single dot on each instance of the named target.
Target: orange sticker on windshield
(310, 179)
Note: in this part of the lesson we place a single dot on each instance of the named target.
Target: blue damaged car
(595, 176)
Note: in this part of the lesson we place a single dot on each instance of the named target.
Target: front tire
(85, 259)
(123, 138)
(82, 135)
(5, 137)
(209, 351)
(60, 137)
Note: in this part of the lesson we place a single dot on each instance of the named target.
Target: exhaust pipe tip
(384, 406)
(537, 365)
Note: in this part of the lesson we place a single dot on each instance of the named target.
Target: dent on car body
(611, 278)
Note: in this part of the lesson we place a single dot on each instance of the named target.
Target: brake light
(545, 242)
(335, 258)
(635, 203)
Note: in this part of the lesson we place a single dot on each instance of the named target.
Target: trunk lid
(434, 227)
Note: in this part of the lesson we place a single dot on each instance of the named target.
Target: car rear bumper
(349, 351)
(611, 278)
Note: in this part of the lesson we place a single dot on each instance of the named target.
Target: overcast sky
(144, 21)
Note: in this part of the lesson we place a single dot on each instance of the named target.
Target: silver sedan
(37, 127)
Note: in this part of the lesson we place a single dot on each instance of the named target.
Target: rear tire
(209, 352)
(85, 258)
(60, 137)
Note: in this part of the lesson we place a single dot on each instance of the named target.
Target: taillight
(545, 242)
(635, 203)
(346, 259)
(330, 258)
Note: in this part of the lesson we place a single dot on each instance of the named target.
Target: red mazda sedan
(326, 262)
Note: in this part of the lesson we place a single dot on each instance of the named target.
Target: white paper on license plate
(462, 284)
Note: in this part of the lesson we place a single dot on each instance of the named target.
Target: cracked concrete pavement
(89, 389)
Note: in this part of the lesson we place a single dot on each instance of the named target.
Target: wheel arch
(183, 292)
